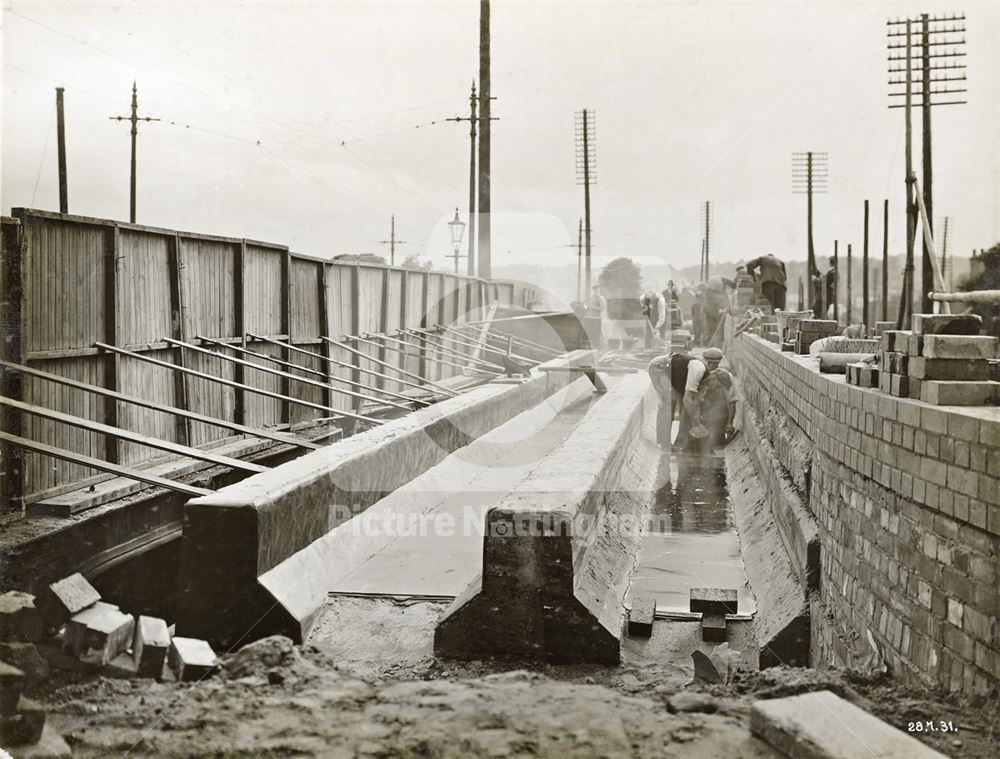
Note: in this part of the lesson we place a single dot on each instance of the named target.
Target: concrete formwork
(236, 536)
(560, 548)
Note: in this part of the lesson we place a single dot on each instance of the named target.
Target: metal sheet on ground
(692, 541)
(443, 510)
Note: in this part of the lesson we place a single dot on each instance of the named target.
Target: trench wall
(906, 502)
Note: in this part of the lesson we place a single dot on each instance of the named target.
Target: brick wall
(907, 499)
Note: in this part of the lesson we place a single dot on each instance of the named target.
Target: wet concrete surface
(691, 541)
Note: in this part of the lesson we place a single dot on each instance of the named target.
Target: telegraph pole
(836, 281)
(579, 260)
(865, 313)
(850, 294)
(885, 259)
(586, 159)
(937, 67)
(392, 242)
(706, 241)
(61, 133)
(485, 266)
(810, 175)
(134, 119)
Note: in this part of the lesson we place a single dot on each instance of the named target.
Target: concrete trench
(547, 510)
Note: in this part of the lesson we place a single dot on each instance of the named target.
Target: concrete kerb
(560, 548)
(234, 536)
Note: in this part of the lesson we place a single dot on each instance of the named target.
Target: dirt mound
(263, 658)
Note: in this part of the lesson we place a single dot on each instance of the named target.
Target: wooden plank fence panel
(144, 271)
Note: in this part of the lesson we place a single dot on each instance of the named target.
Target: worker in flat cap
(717, 399)
(678, 379)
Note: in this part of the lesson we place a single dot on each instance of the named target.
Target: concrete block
(821, 725)
(713, 601)
(959, 346)
(24, 726)
(75, 632)
(966, 370)
(150, 645)
(11, 687)
(109, 635)
(945, 393)
(191, 659)
(713, 628)
(19, 619)
(61, 600)
(640, 616)
(947, 324)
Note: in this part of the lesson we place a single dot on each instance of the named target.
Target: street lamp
(456, 228)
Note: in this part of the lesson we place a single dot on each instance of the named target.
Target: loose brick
(900, 385)
(955, 346)
(968, 370)
(945, 393)
(713, 601)
(191, 659)
(713, 628)
(61, 600)
(152, 640)
(947, 324)
(19, 619)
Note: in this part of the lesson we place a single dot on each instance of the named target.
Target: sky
(312, 123)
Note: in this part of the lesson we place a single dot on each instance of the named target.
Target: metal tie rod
(419, 333)
(523, 340)
(346, 365)
(133, 437)
(504, 344)
(383, 363)
(276, 437)
(237, 385)
(488, 348)
(301, 379)
(417, 355)
(102, 466)
(451, 352)
(275, 372)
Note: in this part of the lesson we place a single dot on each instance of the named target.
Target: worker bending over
(677, 379)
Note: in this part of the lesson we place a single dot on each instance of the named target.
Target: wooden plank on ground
(821, 725)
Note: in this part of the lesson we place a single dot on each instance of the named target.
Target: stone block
(713, 601)
(945, 393)
(966, 370)
(959, 346)
(640, 616)
(821, 725)
(75, 632)
(24, 726)
(61, 600)
(947, 324)
(713, 628)
(19, 619)
(11, 687)
(109, 635)
(150, 645)
(191, 659)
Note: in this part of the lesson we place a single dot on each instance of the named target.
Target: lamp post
(456, 228)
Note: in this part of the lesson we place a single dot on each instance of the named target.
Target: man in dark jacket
(770, 271)
(677, 377)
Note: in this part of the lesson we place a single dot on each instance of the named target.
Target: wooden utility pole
(586, 193)
(485, 265)
(850, 294)
(836, 281)
(927, 266)
(708, 239)
(579, 261)
(134, 119)
(61, 134)
(809, 175)
(885, 259)
(392, 242)
(865, 312)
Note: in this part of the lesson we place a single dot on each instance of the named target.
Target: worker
(770, 271)
(654, 308)
(714, 302)
(676, 378)
(675, 319)
(717, 399)
(830, 289)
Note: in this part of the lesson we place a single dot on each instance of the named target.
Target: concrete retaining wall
(560, 548)
(906, 498)
(237, 535)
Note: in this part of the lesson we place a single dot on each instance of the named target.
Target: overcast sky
(310, 123)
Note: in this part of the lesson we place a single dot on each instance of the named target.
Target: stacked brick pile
(811, 330)
(942, 361)
(863, 374)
